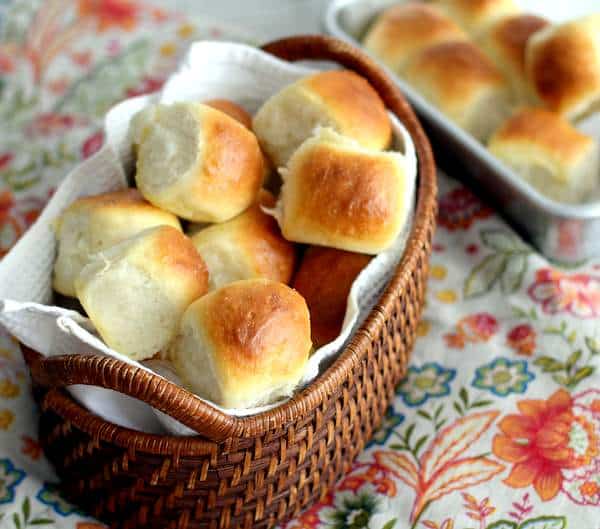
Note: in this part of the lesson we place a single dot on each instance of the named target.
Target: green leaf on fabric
(408, 433)
(484, 276)
(16, 520)
(390, 524)
(562, 380)
(549, 364)
(458, 409)
(573, 359)
(502, 241)
(545, 522)
(593, 345)
(26, 509)
(464, 396)
(420, 442)
(424, 414)
(512, 278)
(581, 374)
(41, 521)
(503, 524)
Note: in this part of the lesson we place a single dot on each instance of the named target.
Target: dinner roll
(93, 223)
(476, 15)
(244, 344)
(339, 194)
(231, 109)
(563, 66)
(339, 99)
(549, 153)
(405, 29)
(464, 84)
(247, 246)
(505, 42)
(196, 162)
(136, 291)
(324, 279)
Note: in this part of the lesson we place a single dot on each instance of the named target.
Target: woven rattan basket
(242, 471)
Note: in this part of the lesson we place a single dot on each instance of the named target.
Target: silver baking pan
(563, 232)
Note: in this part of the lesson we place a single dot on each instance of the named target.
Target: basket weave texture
(243, 472)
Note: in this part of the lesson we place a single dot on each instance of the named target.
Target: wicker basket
(242, 471)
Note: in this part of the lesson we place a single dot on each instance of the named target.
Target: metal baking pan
(563, 232)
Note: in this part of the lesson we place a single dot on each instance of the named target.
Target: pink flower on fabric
(522, 339)
(558, 292)
(146, 86)
(92, 144)
(460, 208)
(51, 123)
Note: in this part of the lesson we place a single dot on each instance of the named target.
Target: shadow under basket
(243, 472)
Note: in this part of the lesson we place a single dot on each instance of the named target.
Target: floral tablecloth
(497, 424)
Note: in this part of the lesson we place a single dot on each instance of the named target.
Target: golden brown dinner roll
(91, 224)
(405, 29)
(563, 66)
(136, 291)
(244, 344)
(196, 162)
(247, 246)
(505, 42)
(339, 99)
(324, 279)
(476, 15)
(464, 84)
(549, 153)
(231, 109)
(339, 194)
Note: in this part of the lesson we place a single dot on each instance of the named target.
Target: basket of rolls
(216, 308)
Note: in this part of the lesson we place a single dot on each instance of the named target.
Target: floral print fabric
(497, 423)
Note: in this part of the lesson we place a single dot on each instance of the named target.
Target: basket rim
(208, 421)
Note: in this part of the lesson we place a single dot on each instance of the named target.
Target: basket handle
(57, 372)
(185, 407)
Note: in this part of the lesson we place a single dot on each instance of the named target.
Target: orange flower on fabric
(542, 441)
(110, 13)
(31, 447)
(475, 328)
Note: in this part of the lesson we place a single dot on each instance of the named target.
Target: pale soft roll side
(462, 82)
(505, 42)
(549, 153)
(475, 16)
(94, 223)
(324, 278)
(403, 30)
(336, 193)
(339, 99)
(195, 161)
(244, 344)
(136, 291)
(247, 246)
(563, 67)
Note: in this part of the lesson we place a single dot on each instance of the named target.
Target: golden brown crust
(546, 129)
(511, 34)
(350, 194)
(172, 249)
(453, 71)
(129, 199)
(231, 109)
(233, 162)
(324, 279)
(474, 15)
(274, 257)
(404, 29)
(357, 107)
(563, 64)
(256, 325)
